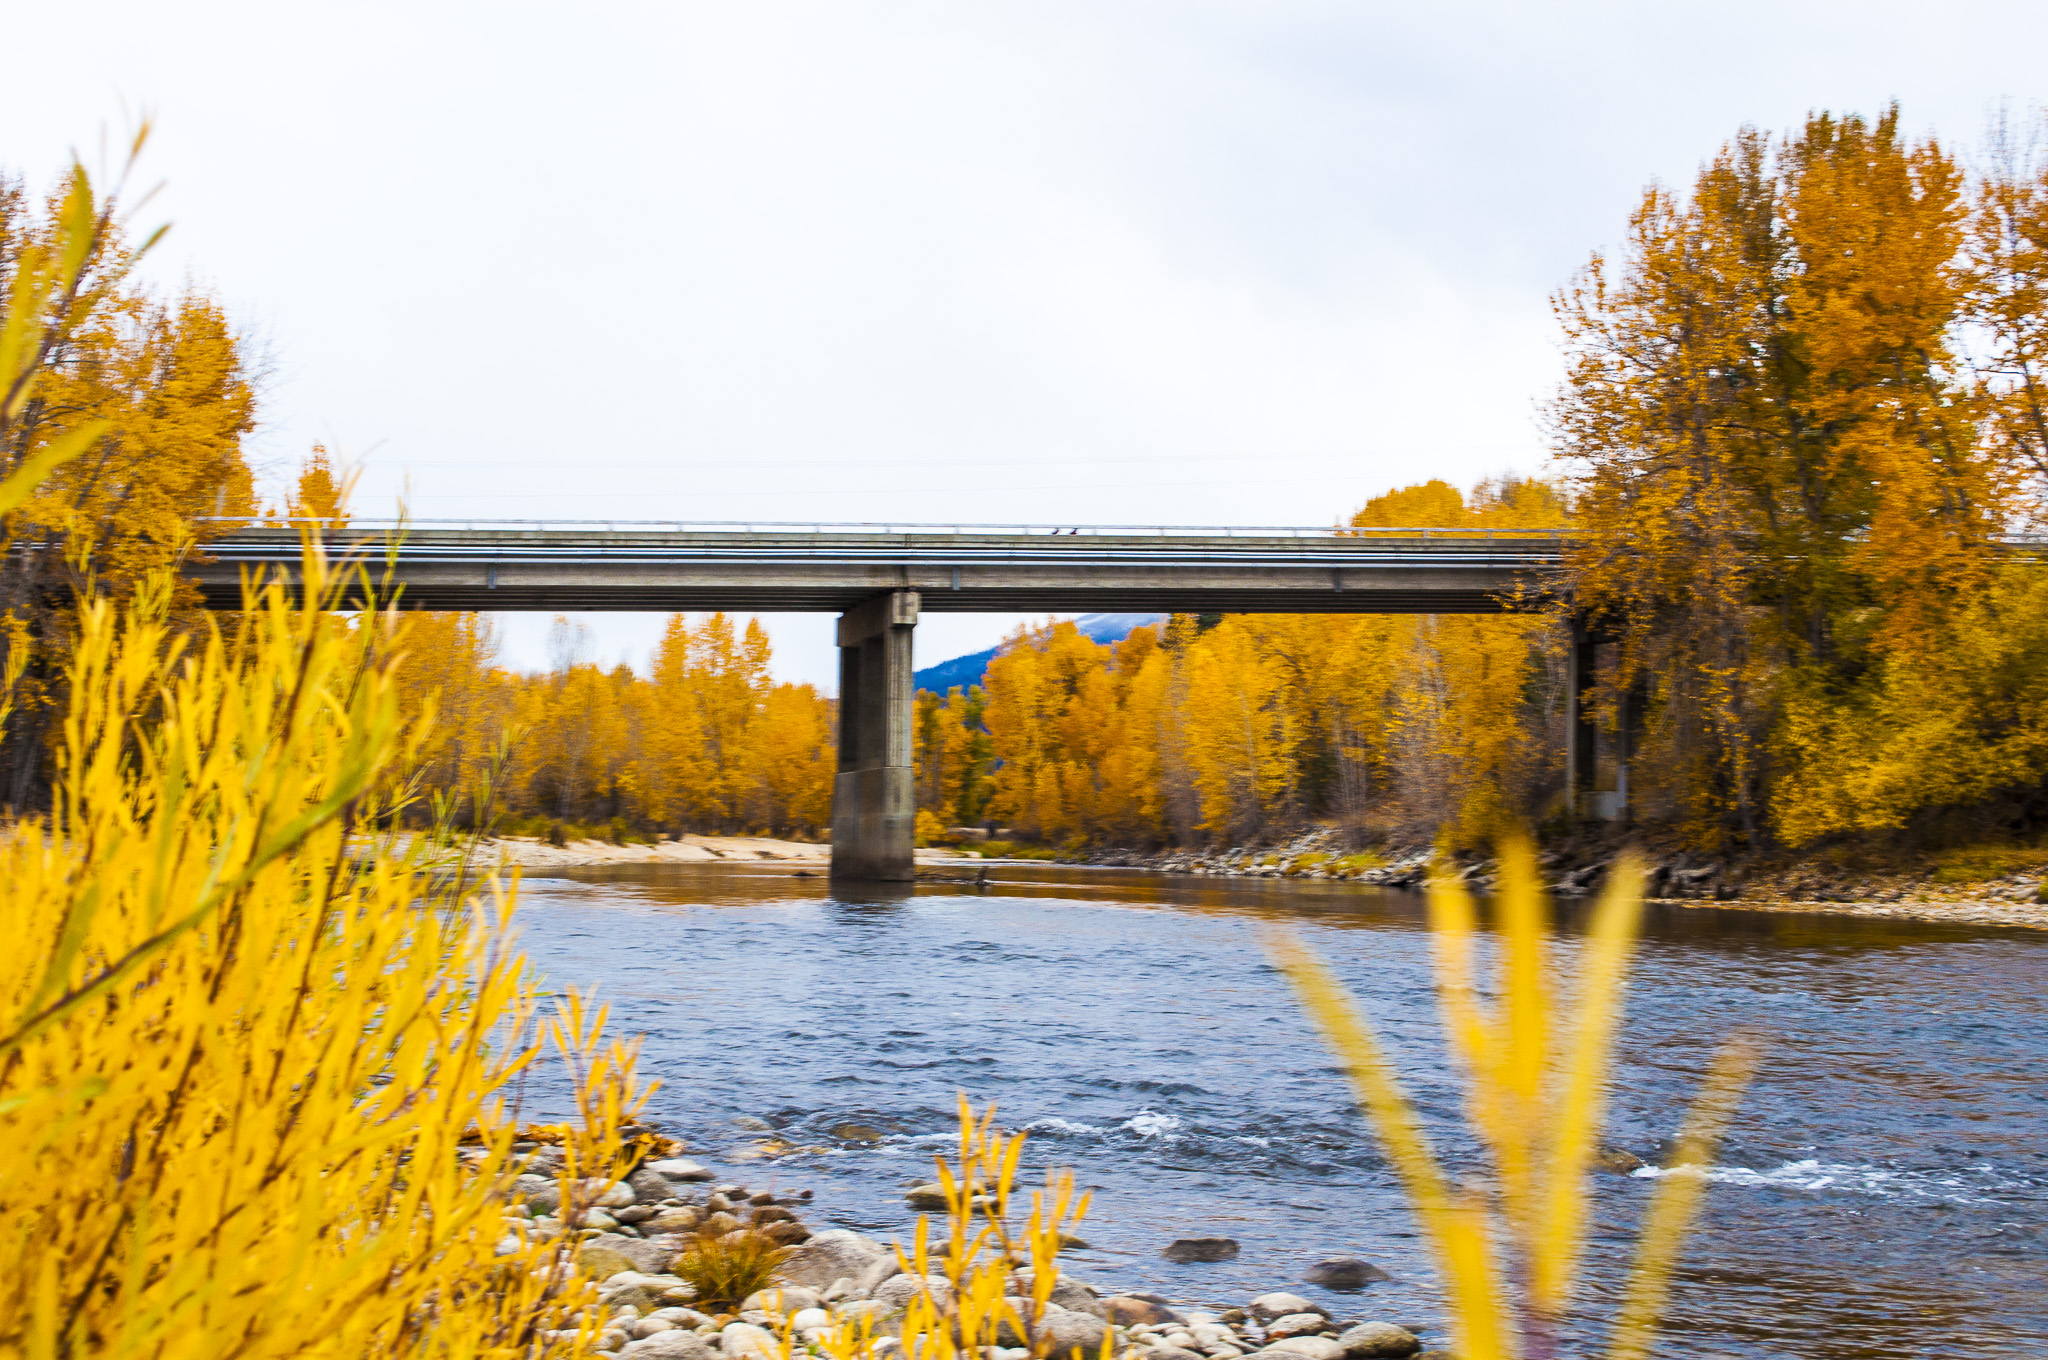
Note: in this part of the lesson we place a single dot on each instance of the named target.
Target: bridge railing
(879, 528)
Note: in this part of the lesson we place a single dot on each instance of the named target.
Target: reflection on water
(1882, 1193)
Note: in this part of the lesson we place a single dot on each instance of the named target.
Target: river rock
(649, 1185)
(645, 1255)
(1307, 1347)
(784, 1299)
(684, 1219)
(1296, 1324)
(870, 1279)
(718, 1224)
(642, 1292)
(1076, 1296)
(535, 1190)
(1344, 1272)
(786, 1234)
(829, 1255)
(1070, 1334)
(744, 1341)
(1173, 1353)
(1128, 1310)
(680, 1169)
(611, 1194)
(899, 1290)
(809, 1320)
(932, 1196)
(600, 1260)
(1188, 1249)
(1268, 1306)
(1369, 1339)
(1616, 1161)
(671, 1345)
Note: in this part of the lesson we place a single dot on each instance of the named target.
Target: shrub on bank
(237, 1061)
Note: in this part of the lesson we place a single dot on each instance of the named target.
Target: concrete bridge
(879, 577)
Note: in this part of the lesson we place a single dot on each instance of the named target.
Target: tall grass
(1536, 1064)
(238, 1053)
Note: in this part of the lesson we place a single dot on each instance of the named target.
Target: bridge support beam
(874, 798)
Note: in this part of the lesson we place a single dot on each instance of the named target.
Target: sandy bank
(534, 853)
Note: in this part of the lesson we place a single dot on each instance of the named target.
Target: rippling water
(1882, 1194)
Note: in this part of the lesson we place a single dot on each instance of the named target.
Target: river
(1884, 1191)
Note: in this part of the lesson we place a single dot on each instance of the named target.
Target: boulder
(1372, 1339)
(1189, 1249)
(1268, 1306)
(679, 1169)
(1306, 1347)
(744, 1341)
(1296, 1324)
(829, 1255)
(1344, 1272)
(1127, 1310)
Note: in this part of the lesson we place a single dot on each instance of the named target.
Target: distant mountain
(966, 671)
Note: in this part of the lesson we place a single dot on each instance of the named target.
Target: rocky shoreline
(2018, 897)
(836, 1278)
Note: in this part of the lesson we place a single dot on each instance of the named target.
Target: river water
(1884, 1191)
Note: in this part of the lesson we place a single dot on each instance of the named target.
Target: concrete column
(874, 798)
(1581, 748)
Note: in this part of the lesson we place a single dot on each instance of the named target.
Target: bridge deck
(621, 566)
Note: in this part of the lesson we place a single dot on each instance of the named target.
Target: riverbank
(631, 1234)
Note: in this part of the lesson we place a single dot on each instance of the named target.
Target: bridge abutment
(874, 797)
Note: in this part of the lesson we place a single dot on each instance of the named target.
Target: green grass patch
(1017, 850)
(1985, 863)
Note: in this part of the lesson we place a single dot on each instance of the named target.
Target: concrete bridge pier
(874, 798)
(1597, 788)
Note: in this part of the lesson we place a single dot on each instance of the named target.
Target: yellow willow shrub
(978, 1256)
(237, 1054)
(1536, 1063)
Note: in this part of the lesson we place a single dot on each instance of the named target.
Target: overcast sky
(1041, 262)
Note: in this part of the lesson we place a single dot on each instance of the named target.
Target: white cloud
(1056, 262)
